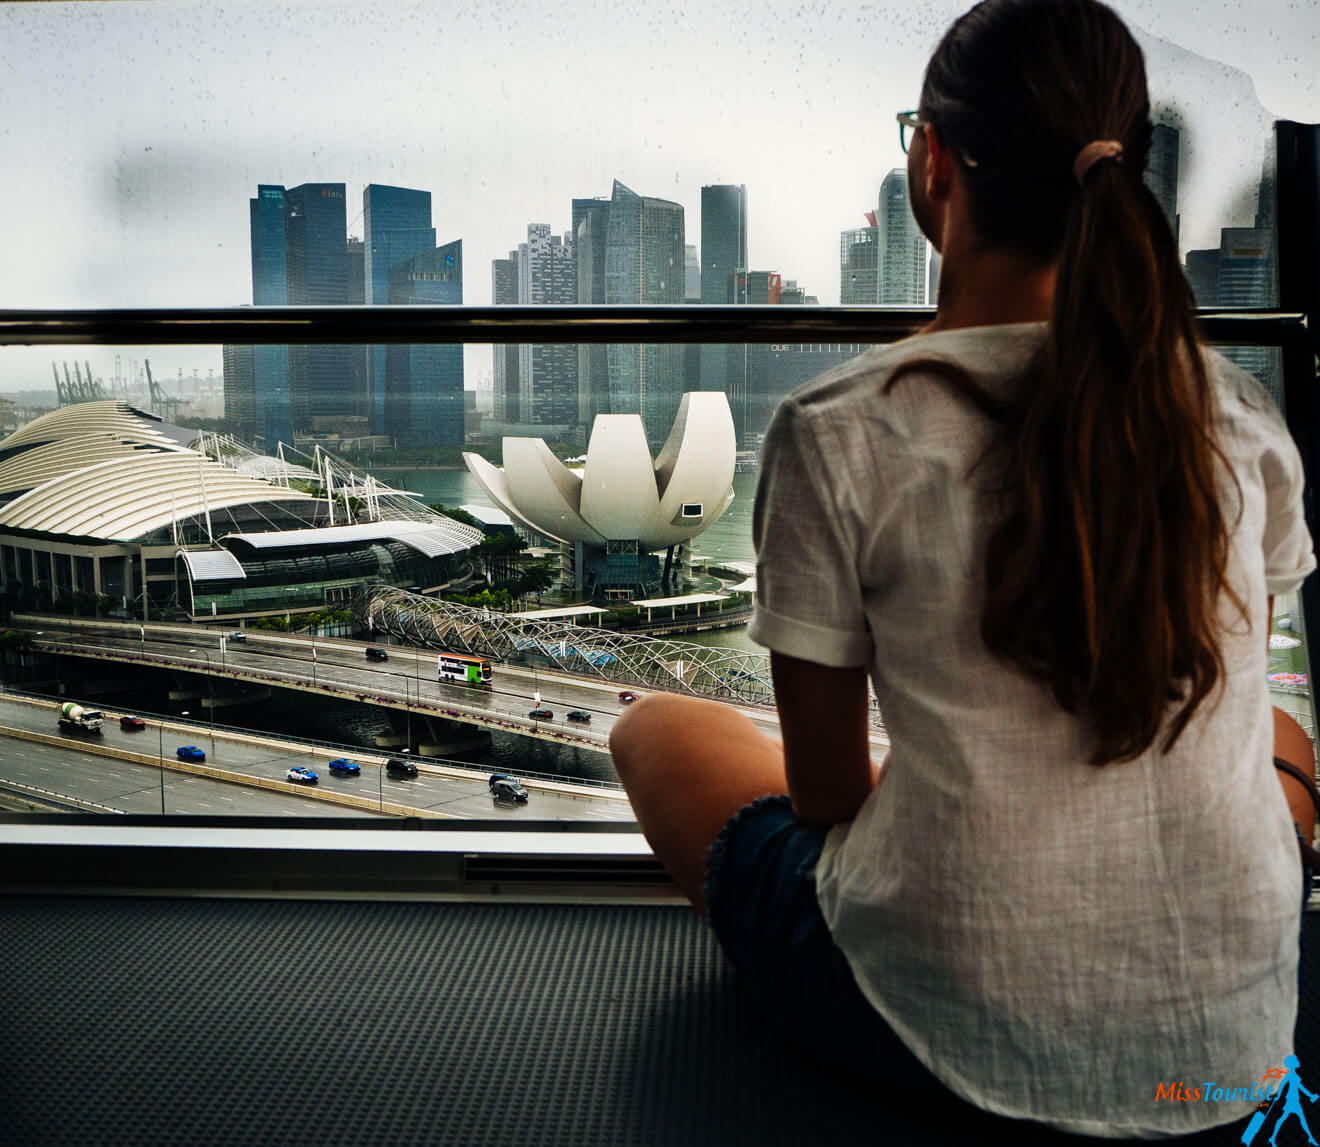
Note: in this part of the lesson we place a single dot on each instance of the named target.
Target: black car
(505, 789)
(541, 715)
(397, 767)
(580, 715)
(374, 653)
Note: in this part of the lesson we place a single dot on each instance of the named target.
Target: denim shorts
(761, 899)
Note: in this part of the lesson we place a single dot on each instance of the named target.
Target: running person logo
(1291, 1089)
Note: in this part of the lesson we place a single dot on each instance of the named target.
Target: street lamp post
(210, 688)
(313, 661)
(160, 727)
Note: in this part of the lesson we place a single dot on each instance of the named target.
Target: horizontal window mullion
(759, 324)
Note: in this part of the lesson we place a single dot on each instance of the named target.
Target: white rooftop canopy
(564, 611)
(688, 599)
(432, 539)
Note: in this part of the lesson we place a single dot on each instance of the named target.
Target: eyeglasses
(908, 122)
(911, 122)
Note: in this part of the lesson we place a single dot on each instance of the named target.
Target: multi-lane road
(43, 773)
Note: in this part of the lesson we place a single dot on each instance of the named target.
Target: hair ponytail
(1104, 577)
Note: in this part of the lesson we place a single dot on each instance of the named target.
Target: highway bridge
(406, 684)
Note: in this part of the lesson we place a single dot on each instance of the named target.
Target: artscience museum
(622, 520)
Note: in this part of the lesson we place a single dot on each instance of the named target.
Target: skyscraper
(1245, 278)
(723, 239)
(240, 391)
(272, 417)
(885, 262)
(504, 290)
(1203, 276)
(691, 274)
(591, 218)
(644, 264)
(547, 372)
(1161, 174)
(316, 258)
(723, 257)
(424, 383)
(397, 225)
(859, 265)
(902, 254)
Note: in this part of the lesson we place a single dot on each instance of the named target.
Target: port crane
(160, 401)
(74, 388)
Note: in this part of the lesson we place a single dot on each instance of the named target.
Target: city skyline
(140, 151)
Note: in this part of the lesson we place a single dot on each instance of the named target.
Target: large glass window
(490, 156)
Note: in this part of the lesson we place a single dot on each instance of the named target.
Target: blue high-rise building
(272, 419)
(424, 383)
(322, 398)
(397, 223)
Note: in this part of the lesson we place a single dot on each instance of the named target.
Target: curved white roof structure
(621, 494)
(126, 498)
(106, 417)
(30, 468)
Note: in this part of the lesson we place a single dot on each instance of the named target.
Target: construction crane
(61, 395)
(159, 399)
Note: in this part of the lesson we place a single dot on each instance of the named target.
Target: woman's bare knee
(640, 730)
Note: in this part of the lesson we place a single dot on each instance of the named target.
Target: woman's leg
(688, 766)
(1294, 746)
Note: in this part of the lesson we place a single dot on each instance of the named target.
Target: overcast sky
(133, 134)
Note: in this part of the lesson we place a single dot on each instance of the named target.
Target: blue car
(345, 766)
(189, 753)
(300, 776)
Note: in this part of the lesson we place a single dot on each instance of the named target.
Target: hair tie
(1093, 153)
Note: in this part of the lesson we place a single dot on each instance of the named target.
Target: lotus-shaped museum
(621, 501)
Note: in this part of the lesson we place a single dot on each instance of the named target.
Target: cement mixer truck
(79, 720)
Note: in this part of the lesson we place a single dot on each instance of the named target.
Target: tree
(499, 555)
(537, 578)
(458, 515)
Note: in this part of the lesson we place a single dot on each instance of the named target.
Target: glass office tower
(424, 384)
(322, 399)
(272, 419)
(644, 264)
(397, 228)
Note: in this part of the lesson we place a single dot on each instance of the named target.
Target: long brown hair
(1104, 576)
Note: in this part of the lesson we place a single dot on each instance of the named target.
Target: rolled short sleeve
(1289, 552)
(808, 594)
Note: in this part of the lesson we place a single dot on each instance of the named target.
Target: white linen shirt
(1051, 939)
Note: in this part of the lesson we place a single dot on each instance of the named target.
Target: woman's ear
(939, 166)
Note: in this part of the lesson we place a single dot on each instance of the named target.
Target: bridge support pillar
(441, 738)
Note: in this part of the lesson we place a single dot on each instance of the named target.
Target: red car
(627, 696)
(132, 723)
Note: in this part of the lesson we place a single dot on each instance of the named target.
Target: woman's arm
(823, 715)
